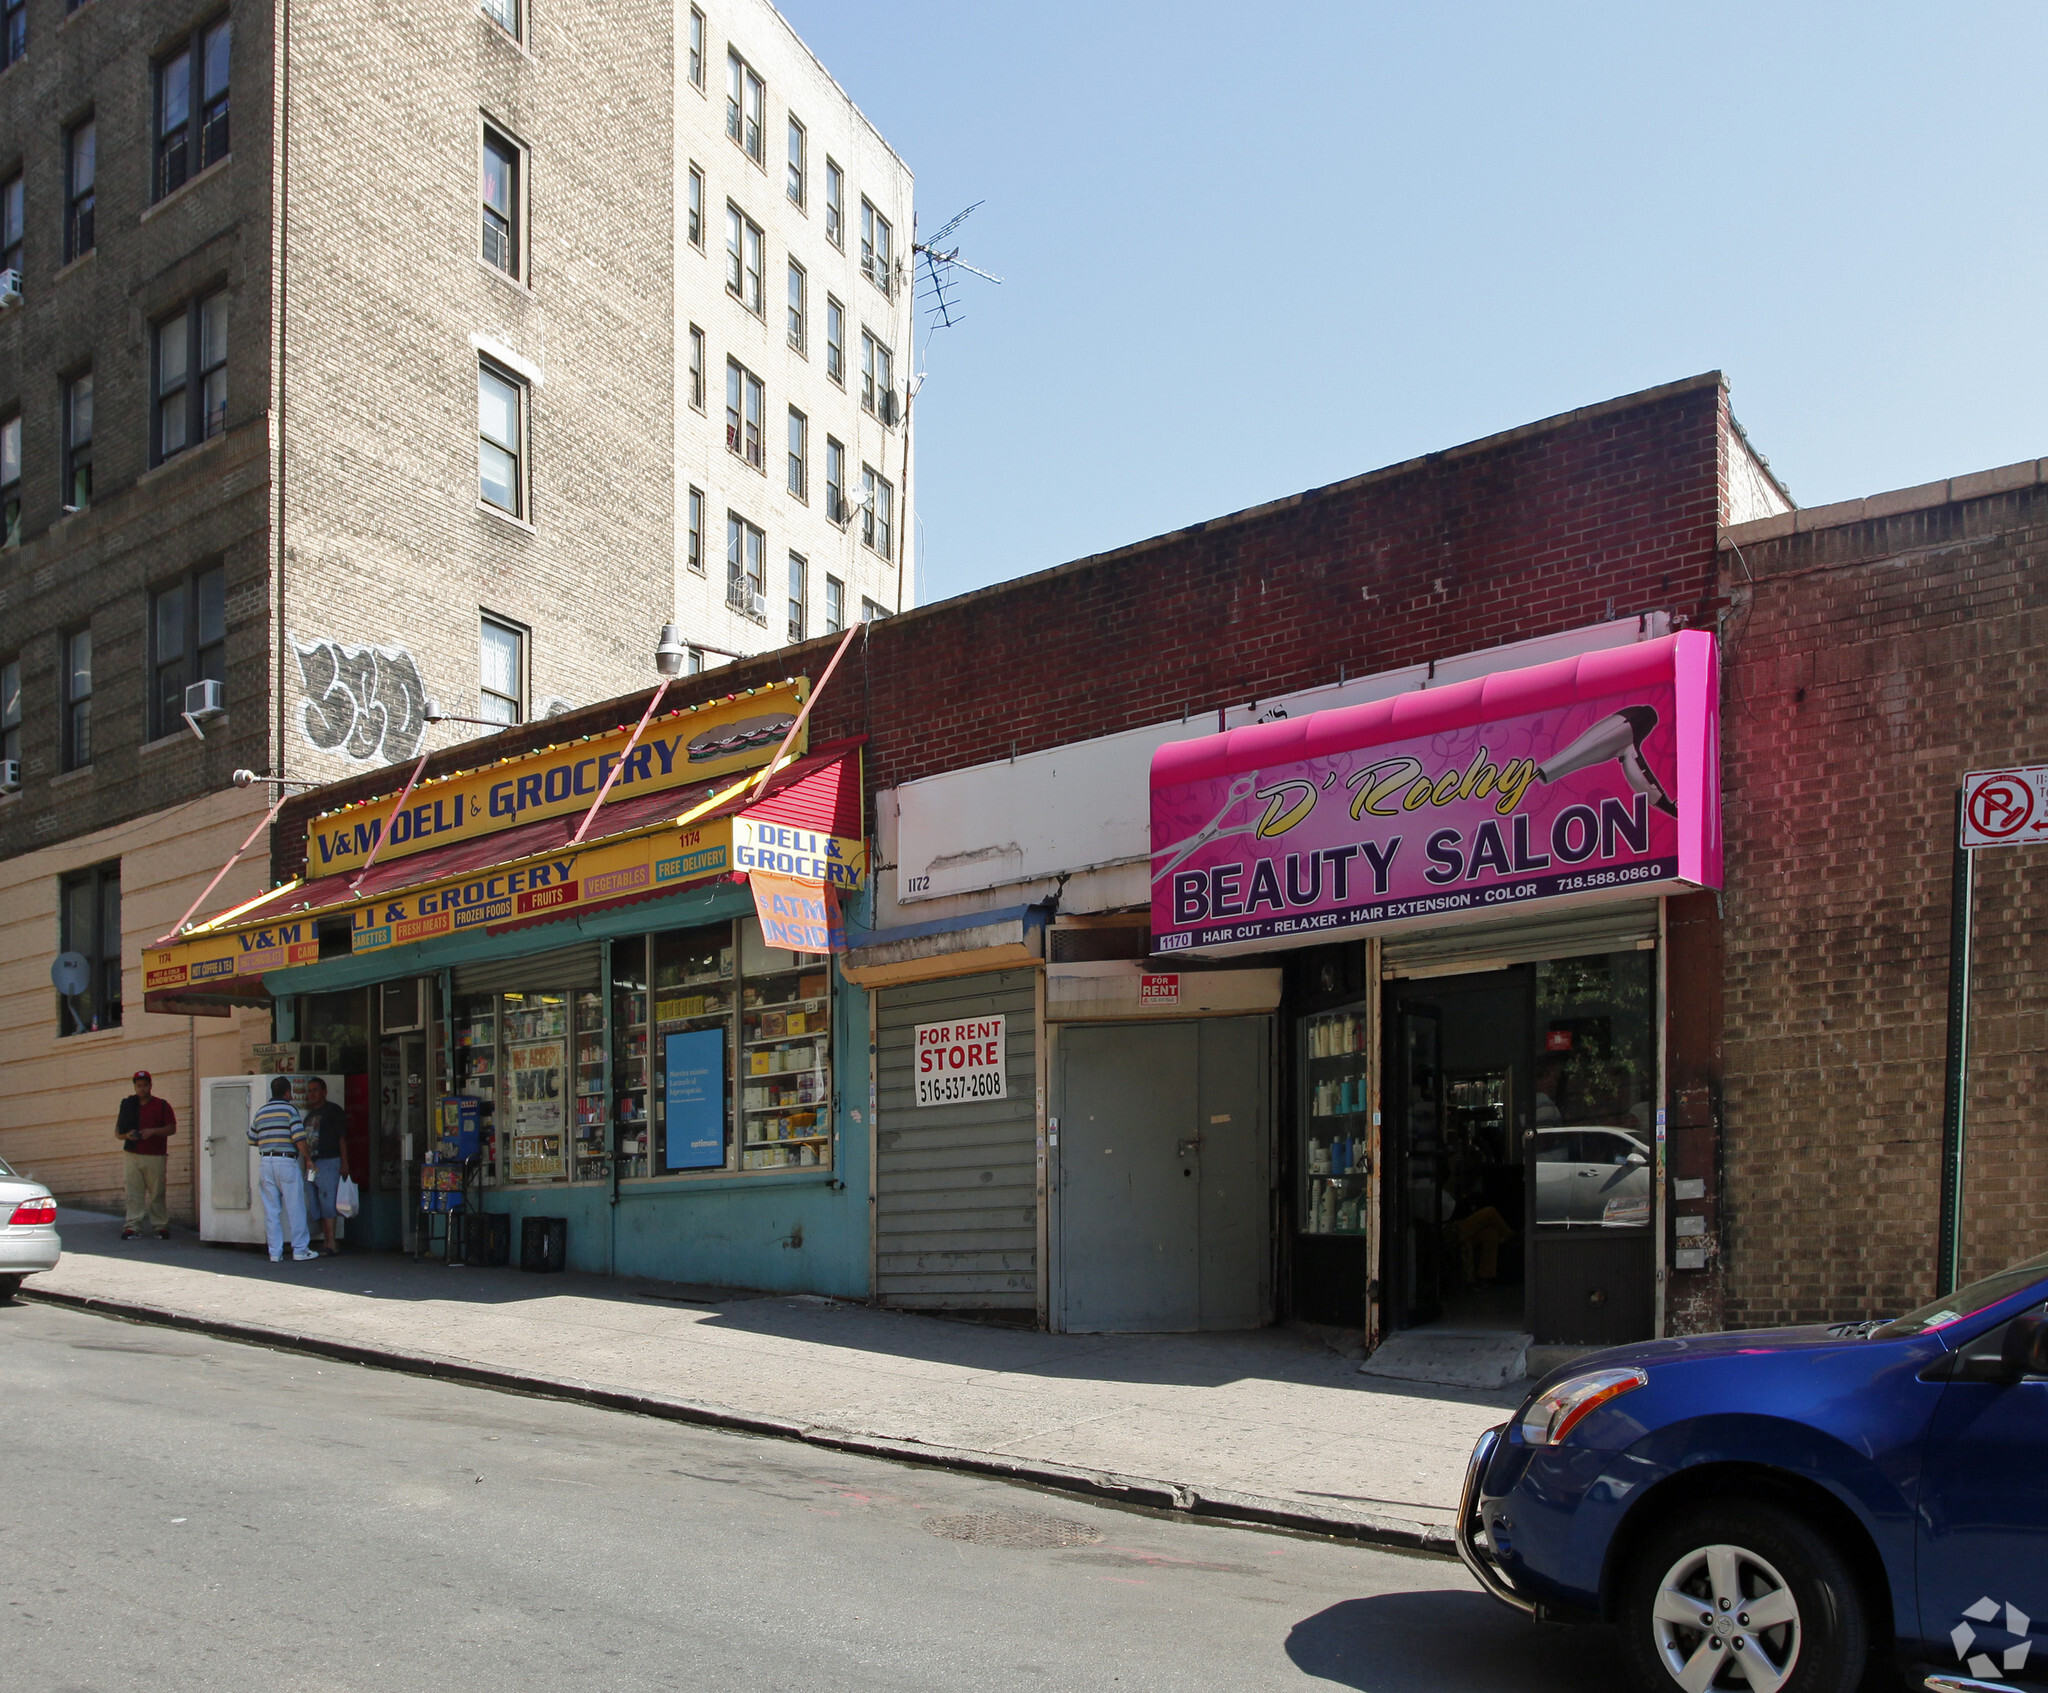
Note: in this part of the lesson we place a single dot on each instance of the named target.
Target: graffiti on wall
(366, 703)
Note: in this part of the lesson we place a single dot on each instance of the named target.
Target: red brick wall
(1866, 669)
(1604, 513)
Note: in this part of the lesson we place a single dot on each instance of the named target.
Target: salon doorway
(1520, 1149)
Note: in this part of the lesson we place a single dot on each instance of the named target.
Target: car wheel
(1742, 1596)
(9, 1287)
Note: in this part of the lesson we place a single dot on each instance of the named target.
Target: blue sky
(1248, 250)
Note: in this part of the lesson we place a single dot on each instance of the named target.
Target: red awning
(824, 784)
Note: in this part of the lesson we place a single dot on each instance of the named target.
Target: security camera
(1619, 737)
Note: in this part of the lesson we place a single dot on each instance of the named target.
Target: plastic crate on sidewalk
(487, 1240)
(543, 1242)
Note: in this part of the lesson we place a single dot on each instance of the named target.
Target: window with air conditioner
(12, 205)
(746, 564)
(745, 403)
(10, 716)
(187, 643)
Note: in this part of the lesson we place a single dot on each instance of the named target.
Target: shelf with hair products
(1336, 1166)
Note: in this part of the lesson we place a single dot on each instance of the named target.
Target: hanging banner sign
(798, 916)
(1591, 778)
(2005, 807)
(961, 1062)
(787, 851)
(683, 749)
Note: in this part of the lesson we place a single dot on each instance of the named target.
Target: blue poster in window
(695, 1087)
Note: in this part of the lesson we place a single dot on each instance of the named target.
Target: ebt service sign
(960, 1063)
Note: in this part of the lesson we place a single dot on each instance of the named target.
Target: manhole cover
(1012, 1528)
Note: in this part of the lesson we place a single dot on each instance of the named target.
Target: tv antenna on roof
(936, 284)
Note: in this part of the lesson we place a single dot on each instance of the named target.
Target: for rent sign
(958, 1063)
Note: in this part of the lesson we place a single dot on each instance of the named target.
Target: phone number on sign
(951, 1090)
(1609, 878)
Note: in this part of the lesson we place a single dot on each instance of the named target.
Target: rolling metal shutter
(1491, 946)
(569, 969)
(956, 1188)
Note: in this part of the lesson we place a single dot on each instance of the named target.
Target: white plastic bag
(346, 1198)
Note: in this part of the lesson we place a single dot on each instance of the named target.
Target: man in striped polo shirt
(278, 1133)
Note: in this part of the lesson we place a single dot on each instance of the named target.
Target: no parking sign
(2005, 807)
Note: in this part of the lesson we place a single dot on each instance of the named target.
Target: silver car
(1592, 1177)
(28, 1230)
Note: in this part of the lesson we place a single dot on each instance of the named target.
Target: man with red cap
(145, 1126)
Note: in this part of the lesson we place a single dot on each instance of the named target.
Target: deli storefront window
(721, 1053)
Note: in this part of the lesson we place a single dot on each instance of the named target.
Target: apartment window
(77, 726)
(746, 105)
(500, 419)
(835, 480)
(875, 241)
(795, 185)
(78, 442)
(192, 133)
(878, 512)
(10, 711)
(746, 555)
(80, 147)
(191, 376)
(835, 605)
(696, 218)
(872, 611)
(501, 670)
(505, 14)
(877, 378)
(501, 203)
(797, 283)
(10, 482)
(89, 923)
(799, 454)
(696, 367)
(835, 340)
(13, 30)
(696, 543)
(745, 401)
(835, 203)
(743, 260)
(695, 666)
(187, 643)
(696, 49)
(797, 572)
(11, 225)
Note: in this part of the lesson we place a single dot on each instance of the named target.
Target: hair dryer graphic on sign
(1619, 736)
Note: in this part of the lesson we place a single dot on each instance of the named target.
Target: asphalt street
(183, 1513)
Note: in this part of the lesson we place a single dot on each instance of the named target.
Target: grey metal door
(956, 1185)
(1165, 1175)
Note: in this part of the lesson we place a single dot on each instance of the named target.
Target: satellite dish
(70, 973)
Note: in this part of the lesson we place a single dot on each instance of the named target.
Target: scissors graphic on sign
(1240, 790)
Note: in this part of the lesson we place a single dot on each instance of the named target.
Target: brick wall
(1868, 666)
(1602, 513)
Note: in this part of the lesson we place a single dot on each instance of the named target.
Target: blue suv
(1775, 1511)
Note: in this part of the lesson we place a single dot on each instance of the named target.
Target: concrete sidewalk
(1262, 1426)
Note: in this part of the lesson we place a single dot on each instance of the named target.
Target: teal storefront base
(795, 1232)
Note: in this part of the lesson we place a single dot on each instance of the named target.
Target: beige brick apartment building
(356, 356)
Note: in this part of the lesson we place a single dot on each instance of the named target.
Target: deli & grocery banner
(678, 750)
(1591, 778)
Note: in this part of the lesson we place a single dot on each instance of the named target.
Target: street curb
(1143, 1492)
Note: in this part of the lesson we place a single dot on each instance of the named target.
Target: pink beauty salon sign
(1591, 778)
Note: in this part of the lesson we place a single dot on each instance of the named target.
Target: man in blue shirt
(278, 1133)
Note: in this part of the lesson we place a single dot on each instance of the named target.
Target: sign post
(1994, 808)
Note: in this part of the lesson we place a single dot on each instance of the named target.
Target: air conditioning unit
(10, 775)
(10, 288)
(760, 607)
(204, 699)
(887, 399)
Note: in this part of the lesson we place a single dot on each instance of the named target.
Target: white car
(28, 1230)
